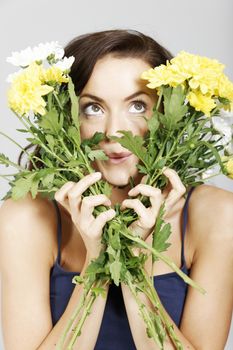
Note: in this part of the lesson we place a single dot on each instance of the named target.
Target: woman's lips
(118, 158)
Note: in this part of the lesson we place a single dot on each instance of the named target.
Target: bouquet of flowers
(186, 132)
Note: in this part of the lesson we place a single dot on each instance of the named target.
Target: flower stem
(164, 258)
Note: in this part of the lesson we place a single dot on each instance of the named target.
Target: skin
(208, 241)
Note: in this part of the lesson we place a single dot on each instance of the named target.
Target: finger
(101, 220)
(62, 192)
(178, 189)
(135, 204)
(144, 189)
(144, 179)
(88, 204)
(83, 185)
(153, 193)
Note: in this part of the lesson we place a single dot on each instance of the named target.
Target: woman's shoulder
(29, 223)
(210, 199)
(210, 213)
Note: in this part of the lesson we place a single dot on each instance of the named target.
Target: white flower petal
(37, 53)
(207, 173)
(65, 63)
(21, 59)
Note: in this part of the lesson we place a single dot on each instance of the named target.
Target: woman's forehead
(122, 74)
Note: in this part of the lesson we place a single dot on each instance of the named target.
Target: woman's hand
(147, 216)
(89, 227)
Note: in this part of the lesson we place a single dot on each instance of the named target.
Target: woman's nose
(114, 124)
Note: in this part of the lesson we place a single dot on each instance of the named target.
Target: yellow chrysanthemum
(200, 102)
(199, 73)
(156, 76)
(225, 88)
(229, 167)
(194, 65)
(164, 75)
(26, 91)
(54, 74)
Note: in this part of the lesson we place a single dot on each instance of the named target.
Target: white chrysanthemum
(65, 63)
(206, 174)
(229, 148)
(39, 53)
(22, 58)
(42, 51)
(224, 128)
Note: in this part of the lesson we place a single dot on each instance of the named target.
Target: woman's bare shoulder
(29, 223)
(210, 209)
(209, 198)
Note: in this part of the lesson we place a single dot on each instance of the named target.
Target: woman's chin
(118, 179)
(117, 175)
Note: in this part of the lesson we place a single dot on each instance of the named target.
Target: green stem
(160, 98)
(18, 145)
(144, 313)
(155, 299)
(66, 149)
(164, 258)
(57, 99)
(78, 308)
(9, 162)
(81, 322)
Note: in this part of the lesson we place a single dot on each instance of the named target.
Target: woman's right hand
(89, 227)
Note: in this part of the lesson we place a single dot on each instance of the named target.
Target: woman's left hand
(144, 225)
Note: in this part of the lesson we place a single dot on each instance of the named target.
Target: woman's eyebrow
(126, 99)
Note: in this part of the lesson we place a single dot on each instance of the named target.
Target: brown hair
(90, 47)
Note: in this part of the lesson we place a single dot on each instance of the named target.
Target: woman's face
(113, 107)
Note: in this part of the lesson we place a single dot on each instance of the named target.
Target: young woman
(44, 243)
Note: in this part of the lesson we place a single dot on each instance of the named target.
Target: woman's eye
(91, 109)
(140, 107)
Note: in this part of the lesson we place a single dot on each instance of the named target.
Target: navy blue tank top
(115, 331)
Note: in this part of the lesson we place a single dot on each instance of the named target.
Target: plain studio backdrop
(201, 27)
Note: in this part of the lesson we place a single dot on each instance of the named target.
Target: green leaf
(115, 270)
(4, 160)
(47, 181)
(21, 187)
(34, 187)
(133, 144)
(174, 108)
(50, 140)
(74, 108)
(77, 279)
(22, 130)
(94, 140)
(106, 188)
(97, 154)
(50, 121)
(74, 134)
(153, 123)
(43, 172)
(115, 240)
(162, 232)
(159, 164)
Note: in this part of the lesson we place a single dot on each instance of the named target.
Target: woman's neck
(120, 193)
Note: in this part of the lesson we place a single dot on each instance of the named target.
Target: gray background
(202, 27)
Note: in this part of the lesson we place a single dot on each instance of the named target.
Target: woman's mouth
(116, 158)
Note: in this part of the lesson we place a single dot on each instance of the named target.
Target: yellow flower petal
(200, 102)
(26, 91)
